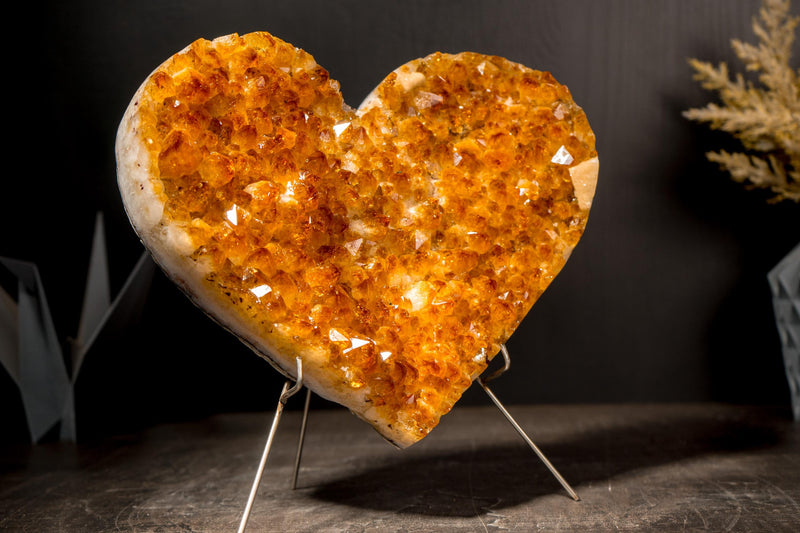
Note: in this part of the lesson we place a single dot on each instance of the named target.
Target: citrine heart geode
(393, 248)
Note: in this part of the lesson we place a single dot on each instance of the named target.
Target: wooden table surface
(636, 467)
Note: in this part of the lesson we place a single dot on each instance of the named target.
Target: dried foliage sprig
(766, 119)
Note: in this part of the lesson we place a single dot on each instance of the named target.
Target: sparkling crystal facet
(399, 244)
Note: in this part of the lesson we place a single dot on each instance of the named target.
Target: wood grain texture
(636, 467)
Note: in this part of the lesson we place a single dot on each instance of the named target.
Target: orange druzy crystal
(402, 242)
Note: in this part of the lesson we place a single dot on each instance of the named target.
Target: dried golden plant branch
(765, 119)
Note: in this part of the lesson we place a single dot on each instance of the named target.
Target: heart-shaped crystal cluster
(392, 248)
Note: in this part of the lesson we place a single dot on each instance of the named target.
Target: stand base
(289, 391)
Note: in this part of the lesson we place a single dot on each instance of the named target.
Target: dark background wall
(665, 298)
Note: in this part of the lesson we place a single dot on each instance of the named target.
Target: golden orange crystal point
(400, 243)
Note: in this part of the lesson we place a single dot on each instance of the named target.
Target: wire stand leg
(519, 429)
(301, 439)
(286, 393)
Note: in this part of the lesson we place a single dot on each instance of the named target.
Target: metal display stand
(290, 390)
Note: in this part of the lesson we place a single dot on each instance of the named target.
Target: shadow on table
(468, 481)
